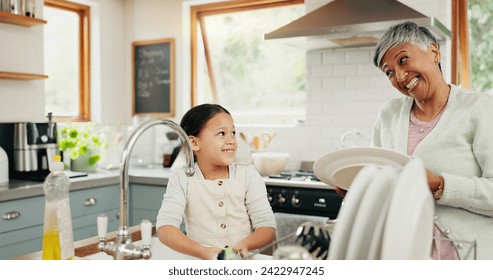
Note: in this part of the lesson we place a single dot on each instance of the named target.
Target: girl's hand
(210, 253)
(241, 248)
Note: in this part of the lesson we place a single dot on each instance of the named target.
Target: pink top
(418, 130)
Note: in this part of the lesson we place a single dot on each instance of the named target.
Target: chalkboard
(153, 78)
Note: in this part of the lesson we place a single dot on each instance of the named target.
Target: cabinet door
(21, 226)
(86, 205)
(145, 201)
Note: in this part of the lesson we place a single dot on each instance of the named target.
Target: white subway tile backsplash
(313, 84)
(333, 57)
(345, 70)
(333, 83)
(318, 71)
(358, 82)
(358, 56)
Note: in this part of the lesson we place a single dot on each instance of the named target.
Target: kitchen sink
(160, 252)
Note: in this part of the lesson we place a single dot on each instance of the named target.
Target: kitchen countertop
(149, 175)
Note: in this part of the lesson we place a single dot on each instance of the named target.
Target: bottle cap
(56, 164)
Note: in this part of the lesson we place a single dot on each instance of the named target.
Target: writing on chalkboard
(153, 77)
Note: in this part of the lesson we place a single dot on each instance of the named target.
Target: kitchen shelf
(21, 76)
(20, 20)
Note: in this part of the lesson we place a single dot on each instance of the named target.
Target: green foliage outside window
(481, 44)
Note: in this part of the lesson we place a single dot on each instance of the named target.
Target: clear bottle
(58, 240)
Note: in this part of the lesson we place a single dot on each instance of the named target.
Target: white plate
(408, 233)
(369, 211)
(347, 213)
(341, 166)
(375, 250)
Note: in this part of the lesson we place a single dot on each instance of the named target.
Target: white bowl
(269, 163)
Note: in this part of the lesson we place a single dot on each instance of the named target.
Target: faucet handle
(102, 226)
(146, 232)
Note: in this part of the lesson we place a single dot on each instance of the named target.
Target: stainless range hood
(352, 23)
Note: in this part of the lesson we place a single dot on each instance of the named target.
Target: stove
(301, 192)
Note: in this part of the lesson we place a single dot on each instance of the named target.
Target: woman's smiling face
(412, 70)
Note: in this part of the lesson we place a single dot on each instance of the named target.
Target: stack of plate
(388, 210)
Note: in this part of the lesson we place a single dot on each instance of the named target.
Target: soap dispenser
(58, 241)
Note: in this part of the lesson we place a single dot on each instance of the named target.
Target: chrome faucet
(123, 248)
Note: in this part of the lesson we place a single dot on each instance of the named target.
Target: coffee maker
(30, 147)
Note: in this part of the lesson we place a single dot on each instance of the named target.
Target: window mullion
(210, 68)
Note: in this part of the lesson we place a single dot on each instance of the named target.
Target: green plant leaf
(94, 159)
(72, 133)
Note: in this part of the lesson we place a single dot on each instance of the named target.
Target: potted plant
(83, 144)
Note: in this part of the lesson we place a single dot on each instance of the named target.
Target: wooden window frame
(461, 67)
(84, 57)
(197, 14)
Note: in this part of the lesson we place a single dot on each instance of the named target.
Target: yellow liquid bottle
(58, 242)
(51, 246)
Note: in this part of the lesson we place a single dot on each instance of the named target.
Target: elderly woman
(450, 129)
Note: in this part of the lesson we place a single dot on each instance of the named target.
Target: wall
(22, 51)
(344, 92)
(344, 89)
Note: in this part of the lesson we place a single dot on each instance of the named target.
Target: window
(257, 80)
(472, 42)
(66, 59)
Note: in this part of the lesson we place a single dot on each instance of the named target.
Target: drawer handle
(11, 215)
(90, 201)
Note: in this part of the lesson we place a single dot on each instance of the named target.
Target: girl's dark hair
(194, 120)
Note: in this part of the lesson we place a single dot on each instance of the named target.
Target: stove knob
(295, 201)
(281, 199)
(270, 198)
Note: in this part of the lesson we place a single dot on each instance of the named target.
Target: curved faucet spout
(124, 164)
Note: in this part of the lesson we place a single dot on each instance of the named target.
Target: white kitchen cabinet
(21, 226)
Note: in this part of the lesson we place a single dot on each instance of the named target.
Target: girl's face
(412, 70)
(216, 143)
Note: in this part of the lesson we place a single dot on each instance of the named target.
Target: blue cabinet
(86, 205)
(145, 201)
(21, 226)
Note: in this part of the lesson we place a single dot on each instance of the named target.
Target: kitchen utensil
(266, 139)
(316, 237)
(256, 142)
(270, 163)
(171, 135)
(244, 138)
(291, 252)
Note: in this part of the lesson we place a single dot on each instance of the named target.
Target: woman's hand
(340, 191)
(435, 182)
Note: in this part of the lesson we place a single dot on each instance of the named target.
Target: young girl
(224, 203)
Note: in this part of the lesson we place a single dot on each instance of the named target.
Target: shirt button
(223, 226)
(435, 218)
(460, 245)
(447, 232)
(220, 183)
(221, 204)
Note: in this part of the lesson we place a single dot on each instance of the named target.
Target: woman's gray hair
(401, 33)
